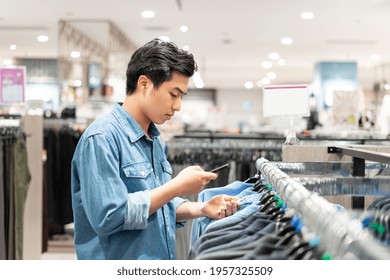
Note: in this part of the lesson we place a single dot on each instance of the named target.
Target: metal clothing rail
(340, 235)
(225, 144)
(359, 158)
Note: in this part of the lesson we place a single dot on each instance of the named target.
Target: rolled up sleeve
(177, 201)
(138, 205)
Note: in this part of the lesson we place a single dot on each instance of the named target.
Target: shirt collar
(130, 125)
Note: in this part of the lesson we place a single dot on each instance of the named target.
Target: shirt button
(142, 173)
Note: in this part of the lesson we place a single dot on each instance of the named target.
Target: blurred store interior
(63, 64)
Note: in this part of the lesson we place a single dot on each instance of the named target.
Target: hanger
(267, 204)
(253, 179)
(278, 214)
(295, 246)
(286, 235)
(273, 208)
(258, 185)
(263, 188)
(266, 197)
(303, 251)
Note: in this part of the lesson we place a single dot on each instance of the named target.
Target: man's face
(162, 103)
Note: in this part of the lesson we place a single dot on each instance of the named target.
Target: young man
(125, 204)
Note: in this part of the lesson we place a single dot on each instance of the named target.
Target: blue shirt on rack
(114, 167)
(240, 189)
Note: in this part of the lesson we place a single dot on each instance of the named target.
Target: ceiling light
(7, 62)
(376, 57)
(148, 14)
(281, 62)
(307, 15)
(199, 85)
(42, 38)
(248, 85)
(75, 54)
(273, 56)
(266, 64)
(265, 81)
(198, 81)
(286, 41)
(164, 38)
(12, 47)
(77, 83)
(271, 75)
(183, 28)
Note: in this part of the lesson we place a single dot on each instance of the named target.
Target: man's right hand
(193, 179)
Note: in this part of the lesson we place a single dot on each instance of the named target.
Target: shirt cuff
(177, 201)
(138, 205)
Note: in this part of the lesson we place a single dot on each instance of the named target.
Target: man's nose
(177, 104)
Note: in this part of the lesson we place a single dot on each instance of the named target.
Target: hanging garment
(2, 210)
(22, 178)
(233, 189)
(60, 144)
(268, 233)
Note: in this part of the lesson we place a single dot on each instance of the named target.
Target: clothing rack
(225, 143)
(60, 137)
(211, 152)
(14, 184)
(359, 158)
(340, 235)
(335, 178)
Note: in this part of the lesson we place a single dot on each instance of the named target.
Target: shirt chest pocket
(138, 176)
(167, 171)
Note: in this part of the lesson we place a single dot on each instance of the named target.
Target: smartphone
(219, 168)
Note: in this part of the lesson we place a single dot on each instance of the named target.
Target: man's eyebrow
(179, 90)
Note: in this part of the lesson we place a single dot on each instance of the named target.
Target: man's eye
(173, 95)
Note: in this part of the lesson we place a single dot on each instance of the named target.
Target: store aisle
(60, 247)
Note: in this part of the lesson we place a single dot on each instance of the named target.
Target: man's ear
(143, 83)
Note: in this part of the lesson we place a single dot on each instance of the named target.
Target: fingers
(229, 209)
(196, 167)
(234, 206)
(210, 175)
(230, 198)
(222, 212)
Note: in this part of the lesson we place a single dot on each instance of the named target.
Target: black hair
(158, 60)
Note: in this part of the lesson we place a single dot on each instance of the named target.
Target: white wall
(241, 106)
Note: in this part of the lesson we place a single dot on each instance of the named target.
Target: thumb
(211, 175)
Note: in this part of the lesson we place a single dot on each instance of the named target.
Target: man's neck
(130, 105)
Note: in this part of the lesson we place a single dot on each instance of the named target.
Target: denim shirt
(236, 188)
(114, 167)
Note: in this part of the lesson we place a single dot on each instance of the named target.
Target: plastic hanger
(258, 186)
(301, 252)
(277, 214)
(290, 251)
(287, 236)
(266, 197)
(252, 179)
(268, 204)
(263, 188)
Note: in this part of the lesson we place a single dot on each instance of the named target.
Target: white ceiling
(229, 38)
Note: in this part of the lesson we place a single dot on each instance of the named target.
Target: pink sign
(12, 84)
